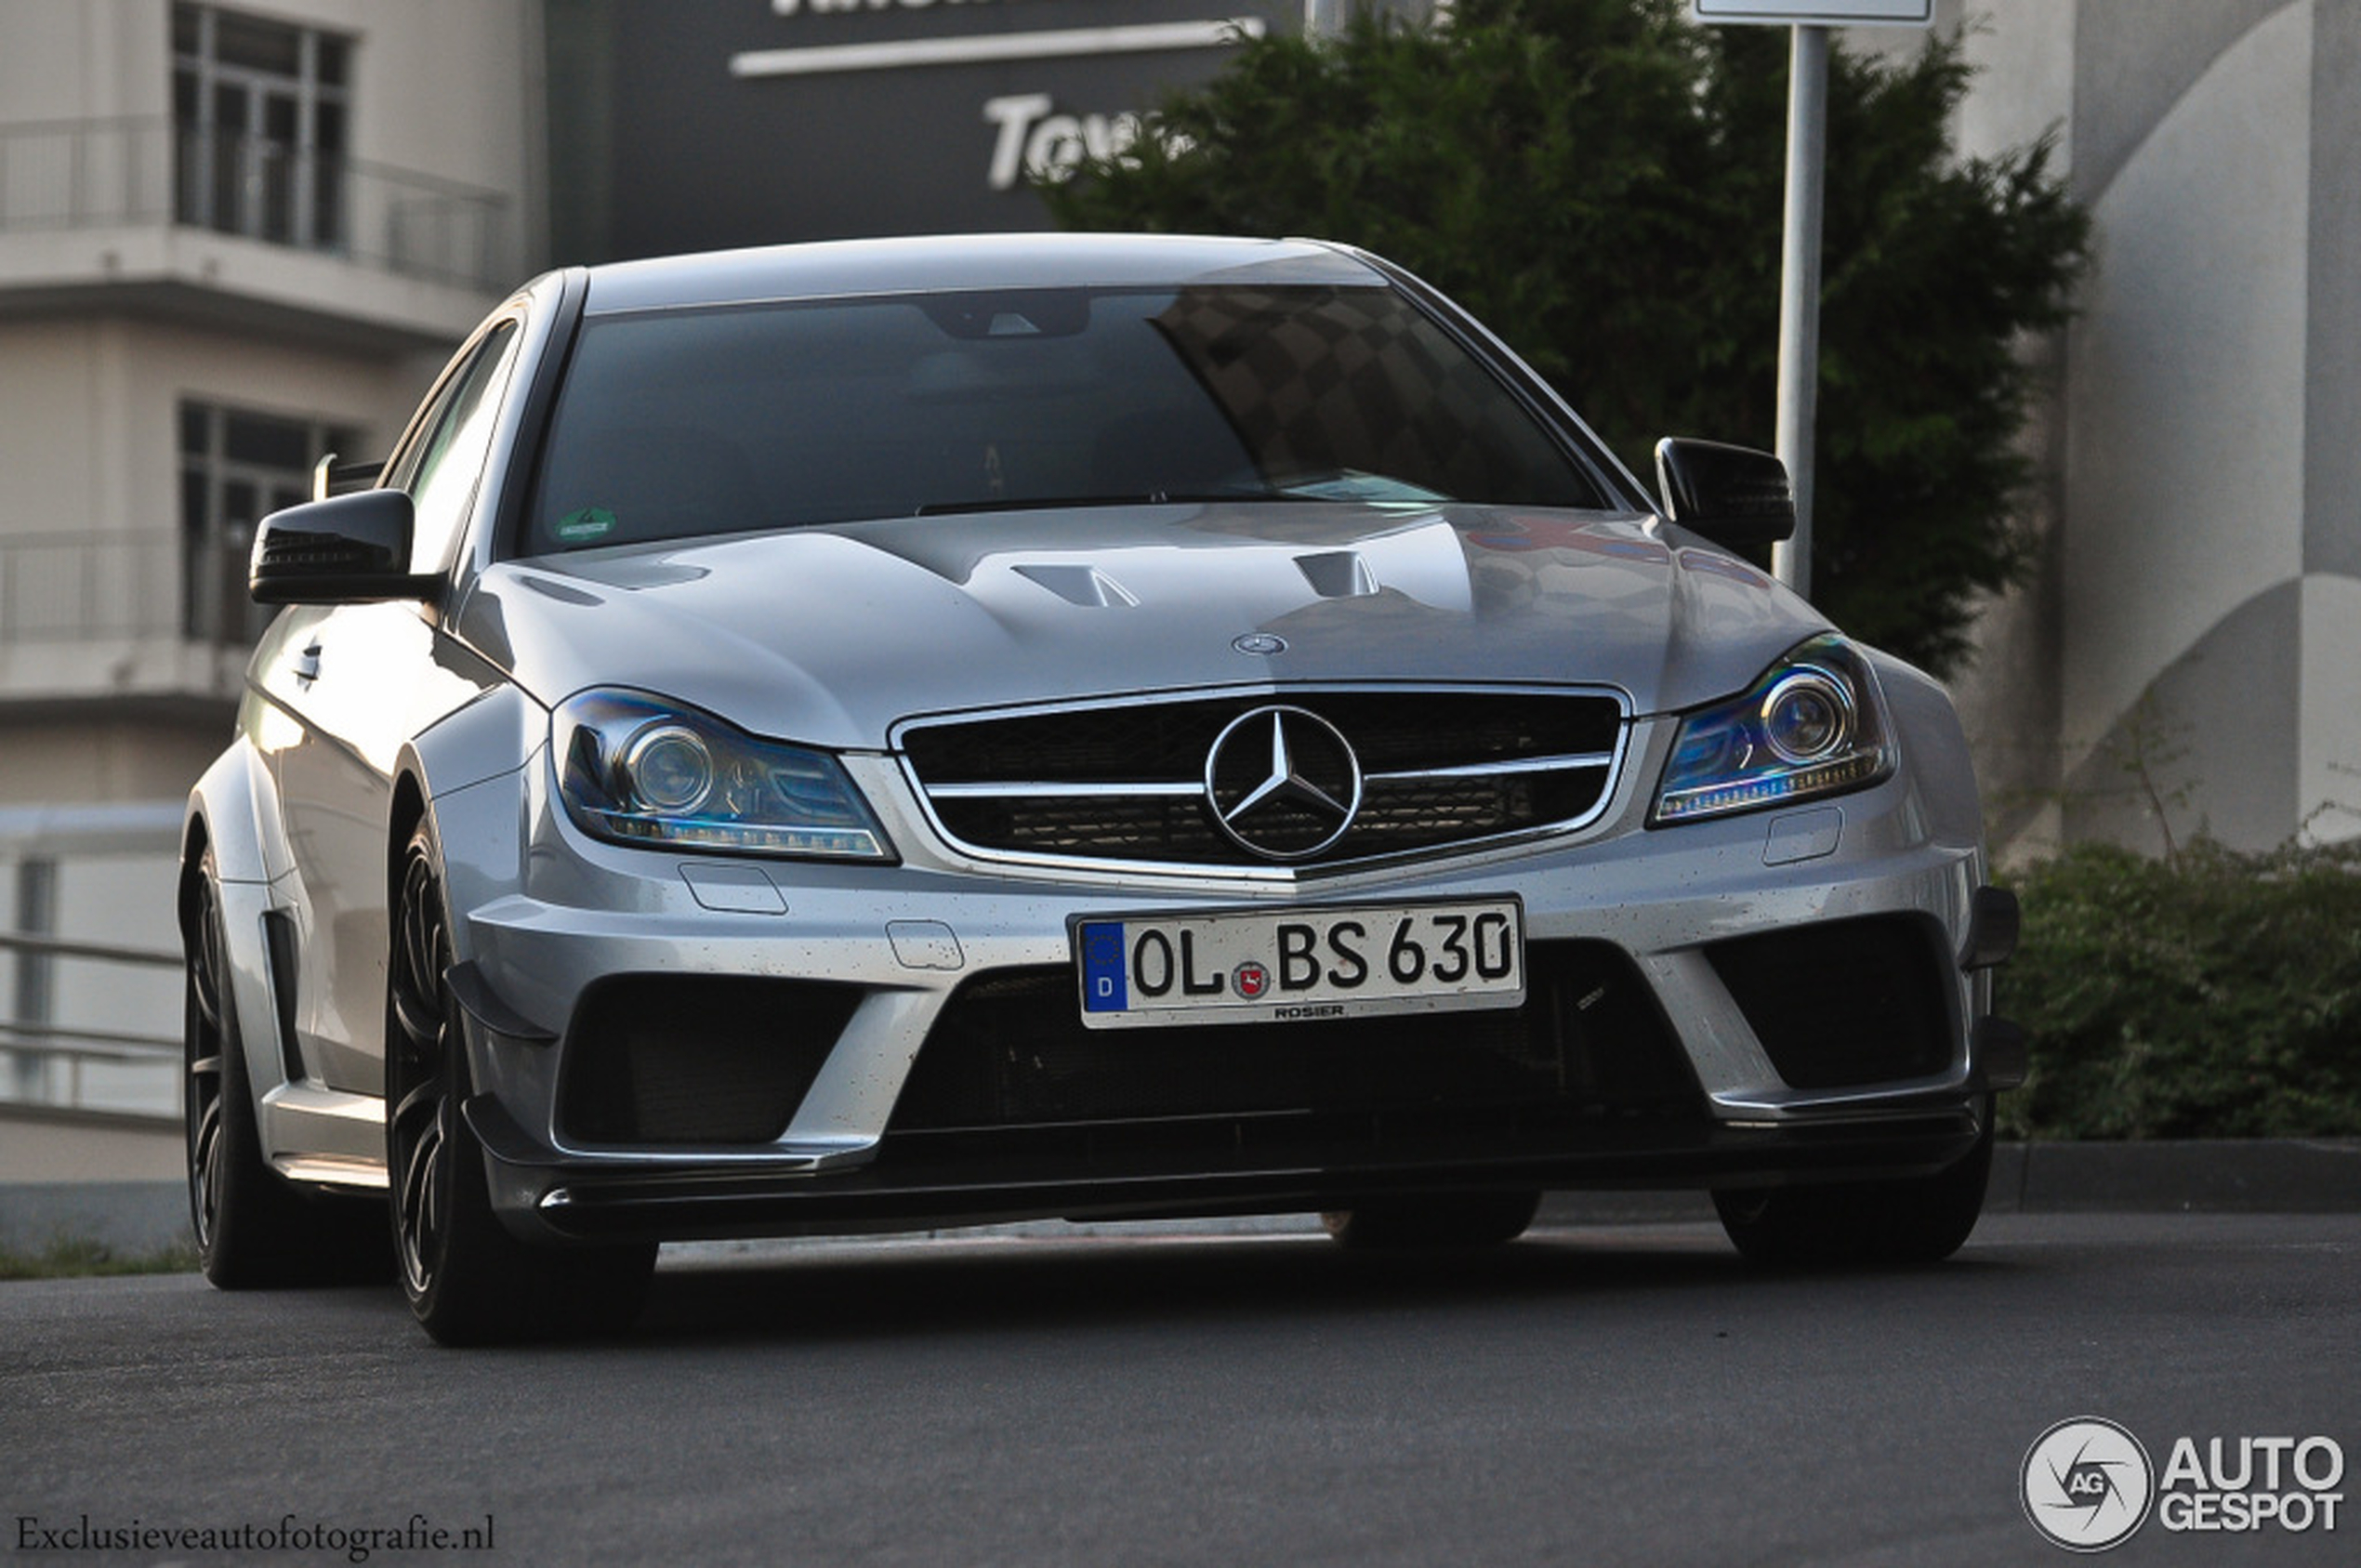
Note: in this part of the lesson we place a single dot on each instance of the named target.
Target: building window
(237, 468)
(261, 118)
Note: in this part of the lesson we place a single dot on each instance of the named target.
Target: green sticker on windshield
(590, 522)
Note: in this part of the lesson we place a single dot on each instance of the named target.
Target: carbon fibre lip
(906, 1188)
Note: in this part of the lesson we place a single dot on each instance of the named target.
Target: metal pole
(1799, 291)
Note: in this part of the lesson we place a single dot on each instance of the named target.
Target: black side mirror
(1735, 496)
(347, 549)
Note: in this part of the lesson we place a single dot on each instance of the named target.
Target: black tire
(1434, 1223)
(1902, 1223)
(253, 1229)
(468, 1281)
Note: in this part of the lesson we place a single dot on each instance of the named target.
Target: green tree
(1601, 182)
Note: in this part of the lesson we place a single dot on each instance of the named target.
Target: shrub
(2211, 995)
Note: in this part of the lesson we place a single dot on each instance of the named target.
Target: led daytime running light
(1715, 799)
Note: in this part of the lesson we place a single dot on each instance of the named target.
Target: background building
(747, 122)
(231, 240)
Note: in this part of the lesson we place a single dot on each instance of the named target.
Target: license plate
(1294, 966)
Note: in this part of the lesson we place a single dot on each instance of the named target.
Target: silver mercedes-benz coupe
(886, 735)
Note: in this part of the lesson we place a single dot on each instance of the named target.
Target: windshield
(680, 423)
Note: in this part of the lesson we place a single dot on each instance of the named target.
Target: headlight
(1814, 725)
(641, 770)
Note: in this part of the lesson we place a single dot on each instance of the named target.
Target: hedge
(2209, 995)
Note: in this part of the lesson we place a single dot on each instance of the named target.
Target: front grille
(665, 1058)
(1125, 781)
(1843, 1003)
(1010, 1050)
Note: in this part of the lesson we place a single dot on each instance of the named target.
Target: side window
(442, 471)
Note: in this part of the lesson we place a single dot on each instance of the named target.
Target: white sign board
(1819, 13)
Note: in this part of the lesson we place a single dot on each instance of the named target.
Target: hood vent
(1084, 586)
(1338, 574)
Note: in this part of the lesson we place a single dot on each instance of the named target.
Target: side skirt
(327, 1137)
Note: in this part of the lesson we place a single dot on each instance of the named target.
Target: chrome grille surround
(1121, 784)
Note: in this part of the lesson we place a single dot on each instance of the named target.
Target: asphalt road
(1592, 1396)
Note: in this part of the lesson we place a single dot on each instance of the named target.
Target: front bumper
(551, 917)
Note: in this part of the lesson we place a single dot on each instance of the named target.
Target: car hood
(831, 635)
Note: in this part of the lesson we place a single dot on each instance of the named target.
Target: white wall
(89, 405)
(438, 86)
(85, 59)
(448, 86)
(2190, 640)
(2185, 484)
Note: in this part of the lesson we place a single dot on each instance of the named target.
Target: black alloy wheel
(1902, 1222)
(468, 1281)
(422, 1035)
(207, 1038)
(252, 1227)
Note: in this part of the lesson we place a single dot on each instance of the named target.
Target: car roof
(930, 264)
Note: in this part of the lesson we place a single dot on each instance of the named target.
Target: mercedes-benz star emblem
(1259, 642)
(1283, 783)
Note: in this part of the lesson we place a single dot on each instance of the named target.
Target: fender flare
(231, 811)
(1935, 748)
(226, 811)
(465, 773)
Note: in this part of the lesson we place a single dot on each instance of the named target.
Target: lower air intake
(663, 1059)
(1845, 1003)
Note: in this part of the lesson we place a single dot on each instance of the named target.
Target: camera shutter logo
(2086, 1485)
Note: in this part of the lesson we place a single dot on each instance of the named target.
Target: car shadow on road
(951, 1286)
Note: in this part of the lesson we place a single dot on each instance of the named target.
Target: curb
(2196, 1176)
(2186, 1176)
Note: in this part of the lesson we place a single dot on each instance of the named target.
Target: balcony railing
(89, 174)
(89, 1069)
(104, 588)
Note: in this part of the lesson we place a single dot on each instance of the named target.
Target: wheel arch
(225, 813)
(196, 837)
(407, 809)
(224, 816)
(225, 819)
(463, 774)
(1934, 747)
